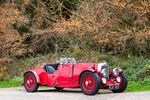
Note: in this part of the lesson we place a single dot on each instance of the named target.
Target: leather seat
(50, 68)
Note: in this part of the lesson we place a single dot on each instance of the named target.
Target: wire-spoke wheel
(30, 82)
(123, 84)
(89, 83)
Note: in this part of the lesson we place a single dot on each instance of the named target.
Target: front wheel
(123, 84)
(30, 82)
(89, 83)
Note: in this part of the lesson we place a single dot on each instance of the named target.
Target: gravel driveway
(68, 94)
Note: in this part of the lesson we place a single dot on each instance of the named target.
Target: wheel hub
(28, 82)
(118, 79)
(86, 83)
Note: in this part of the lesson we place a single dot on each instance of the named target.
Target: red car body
(69, 76)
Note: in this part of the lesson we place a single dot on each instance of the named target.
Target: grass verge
(132, 86)
(14, 82)
(137, 87)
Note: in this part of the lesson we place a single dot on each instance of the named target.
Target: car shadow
(72, 91)
(64, 90)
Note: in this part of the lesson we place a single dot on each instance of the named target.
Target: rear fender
(36, 75)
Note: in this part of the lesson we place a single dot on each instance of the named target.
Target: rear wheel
(30, 82)
(123, 84)
(89, 83)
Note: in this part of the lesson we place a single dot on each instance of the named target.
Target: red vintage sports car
(67, 73)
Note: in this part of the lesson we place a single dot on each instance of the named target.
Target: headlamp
(115, 72)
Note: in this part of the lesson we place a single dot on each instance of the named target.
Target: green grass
(136, 87)
(14, 82)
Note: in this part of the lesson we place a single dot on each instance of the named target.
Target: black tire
(96, 84)
(121, 87)
(59, 88)
(35, 84)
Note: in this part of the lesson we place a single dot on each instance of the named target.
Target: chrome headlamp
(115, 72)
(102, 66)
(105, 73)
(104, 69)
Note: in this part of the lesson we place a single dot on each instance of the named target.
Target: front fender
(120, 70)
(92, 70)
(36, 75)
(89, 70)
